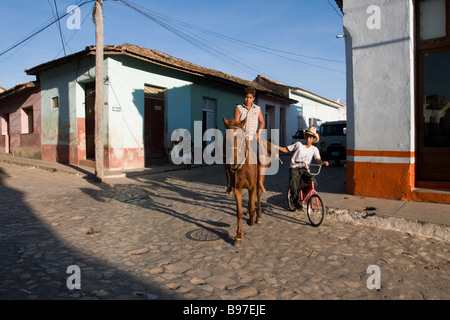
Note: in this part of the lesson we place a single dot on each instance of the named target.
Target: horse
(242, 174)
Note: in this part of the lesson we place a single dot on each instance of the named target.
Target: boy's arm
(325, 163)
(282, 149)
(261, 125)
(237, 114)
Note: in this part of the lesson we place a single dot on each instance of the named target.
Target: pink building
(20, 121)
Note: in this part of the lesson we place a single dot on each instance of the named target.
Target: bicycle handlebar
(314, 165)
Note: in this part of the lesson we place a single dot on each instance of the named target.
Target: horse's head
(235, 145)
(231, 124)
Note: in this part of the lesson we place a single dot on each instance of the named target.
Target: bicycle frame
(311, 185)
(315, 209)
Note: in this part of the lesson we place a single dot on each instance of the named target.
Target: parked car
(333, 141)
(298, 137)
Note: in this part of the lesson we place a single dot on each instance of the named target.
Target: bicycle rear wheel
(315, 210)
(290, 203)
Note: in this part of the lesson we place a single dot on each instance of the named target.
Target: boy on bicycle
(301, 159)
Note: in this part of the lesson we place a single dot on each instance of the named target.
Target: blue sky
(295, 40)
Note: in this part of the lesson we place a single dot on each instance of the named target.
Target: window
(27, 120)
(208, 118)
(4, 120)
(432, 19)
(433, 89)
(55, 102)
(208, 113)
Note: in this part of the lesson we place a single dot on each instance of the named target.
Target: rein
(243, 146)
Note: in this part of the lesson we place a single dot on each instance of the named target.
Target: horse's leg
(229, 179)
(239, 214)
(259, 193)
(251, 205)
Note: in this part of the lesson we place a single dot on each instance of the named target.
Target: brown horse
(241, 174)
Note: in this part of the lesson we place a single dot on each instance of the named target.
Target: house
(20, 120)
(147, 95)
(398, 96)
(309, 108)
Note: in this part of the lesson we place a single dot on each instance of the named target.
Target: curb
(418, 228)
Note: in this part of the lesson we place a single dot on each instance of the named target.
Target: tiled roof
(20, 87)
(159, 58)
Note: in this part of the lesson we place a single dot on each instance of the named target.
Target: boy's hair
(249, 90)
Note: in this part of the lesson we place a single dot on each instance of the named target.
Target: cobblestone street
(169, 236)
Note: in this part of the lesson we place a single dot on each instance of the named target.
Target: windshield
(336, 130)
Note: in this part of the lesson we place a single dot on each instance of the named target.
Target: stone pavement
(168, 235)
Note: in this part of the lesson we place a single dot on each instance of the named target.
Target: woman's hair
(249, 90)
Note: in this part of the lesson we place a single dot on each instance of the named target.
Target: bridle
(242, 147)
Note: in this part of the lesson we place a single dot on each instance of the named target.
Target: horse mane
(233, 123)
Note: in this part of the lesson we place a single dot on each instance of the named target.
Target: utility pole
(99, 104)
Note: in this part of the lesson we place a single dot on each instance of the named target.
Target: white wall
(380, 79)
(311, 107)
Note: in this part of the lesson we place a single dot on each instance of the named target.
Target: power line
(213, 49)
(59, 26)
(247, 43)
(181, 28)
(43, 27)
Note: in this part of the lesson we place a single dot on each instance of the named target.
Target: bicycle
(315, 208)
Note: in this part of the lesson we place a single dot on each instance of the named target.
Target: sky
(290, 41)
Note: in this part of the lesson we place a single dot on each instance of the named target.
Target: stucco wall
(60, 136)
(380, 76)
(309, 108)
(21, 143)
(380, 98)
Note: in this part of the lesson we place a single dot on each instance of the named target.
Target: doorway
(6, 132)
(155, 152)
(270, 112)
(433, 98)
(90, 120)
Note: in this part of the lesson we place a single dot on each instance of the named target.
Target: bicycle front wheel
(315, 210)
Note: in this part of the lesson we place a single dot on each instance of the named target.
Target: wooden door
(90, 120)
(154, 131)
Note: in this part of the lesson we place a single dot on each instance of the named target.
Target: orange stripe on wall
(389, 181)
(391, 154)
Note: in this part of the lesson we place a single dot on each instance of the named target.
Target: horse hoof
(237, 242)
(258, 221)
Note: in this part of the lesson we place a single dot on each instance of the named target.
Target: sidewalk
(332, 189)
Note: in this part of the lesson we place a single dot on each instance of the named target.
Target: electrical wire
(59, 26)
(43, 27)
(240, 41)
(203, 44)
(179, 28)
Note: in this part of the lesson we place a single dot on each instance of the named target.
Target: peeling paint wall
(60, 125)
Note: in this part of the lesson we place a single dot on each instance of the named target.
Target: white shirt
(302, 154)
